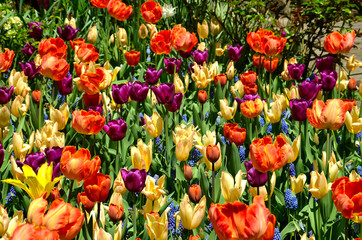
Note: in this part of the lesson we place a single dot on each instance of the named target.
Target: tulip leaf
(234, 164)
(291, 227)
(204, 183)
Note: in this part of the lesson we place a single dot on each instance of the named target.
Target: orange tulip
(53, 46)
(115, 212)
(248, 77)
(97, 187)
(31, 232)
(254, 39)
(349, 103)
(336, 43)
(273, 66)
(237, 136)
(329, 115)
(192, 237)
(55, 194)
(87, 53)
(195, 193)
(188, 172)
(182, 40)
(76, 42)
(258, 60)
(133, 58)
(87, 122)
(272, 45)
(202, 96)
(119, 10)
(266, 156)
(212, 153)
(251, 88)
(228, 127)
(232, 221)
(92, 100)
(151, 11)
(251, 109)
(347, 196)
(221, 78)
(36, 95)
(88, 204)
(6, 59)
(76, 165)
(99, 3)
(54, 68)
(161, 42)
(95, 80)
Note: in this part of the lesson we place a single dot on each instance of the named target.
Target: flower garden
(180, 119)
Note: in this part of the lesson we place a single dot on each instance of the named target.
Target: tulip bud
(220, 78)
(121, 37)
(195, 193)
(92, 35)
(215, 27)
(55, 194)
(202, 96)
(4, 116)
(352, 84)
(142, 32)
(88, 204)
(36, 95)
(230, 70)
(188, 172)
(213, 153)
(115, 212)
(203, 29)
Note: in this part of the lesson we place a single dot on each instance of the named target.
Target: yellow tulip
(183, 139)
(213, 69)
(118, 231)
(142, 155)
(154, 124)
(215, 27)
(219, 50)
(156, 226)
(20, 105)
(153, 191)
(353, 121)
(153, 206)
(274, 113)
(19, 81)
(208, 139)
(262, 190)
(343, 78)
(17, 220)
(201, 76)
(99, 233)
(4, 220)
(16, 170)
(19, 148)
(3, 133)
(230, 70)
(318, 187)
(201, 46)
(227, 112)
(35, 184)
(333, 166)
(121, 37)
(70, 21)
(179, 86)
(297, 183)
(292, 93)
(281, 99)
(49, 136)
(118, 185)
(203, 29)
(60, 116)
(353, 176)
(5, 116)
(352, 63)
(142, 31)
(237, 88)
(191, 216)
(231, 190)
(153, 29)
(92, 35)
(304, 237)
(295, 147)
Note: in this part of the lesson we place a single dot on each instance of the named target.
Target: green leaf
(291, 227)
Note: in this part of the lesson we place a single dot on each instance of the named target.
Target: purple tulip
(200, 56)
(35, 31)
(5, 94)
(296, 70)
(247, 97)
(65, 86)
(120, 93)
(138, 91)
(67, 33)
(97, 108)
(2, 155)
(152, 75)
(284, 33)
(116, 129)
(34, 160)
(234, 53)
(28, 49)
(134, 179)
(53, 156)
(46, 4)
(30, 70)
(185, 55)
(170, 65)
(254, 177)
(328, 79)
(324, 63)
(299, 108)
(176, 103)
(164, 93)
(309, 89)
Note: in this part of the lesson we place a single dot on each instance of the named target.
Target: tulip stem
(339, 81)
(98, 213)
(213, 181)
(202, 112)
(319, 220)
(70, 190)
(360, 230)
(328, 152)
(41, 103)
(134, 216)
(269, 191)
(346, 229)
(270, 85)
(117, 157)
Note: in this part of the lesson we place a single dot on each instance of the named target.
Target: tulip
(142, 155)
(228, 127)
(200, 56)
(230, 189)
(154, 124)
(6, 60)
(164, 93)
(156, 226)
(353, 121)
(237, 136)
(239, 221)
(88, 123)
(319, 187)
(142, 31)
(324, 63)
(54, 47)
(227, 112)
(187, 172)
(86, 53)
(92, 100)
(99, 3)
(296, 70)
(254, 39)
(202, 96)
(35, 30)
(328, 79)
(5, 94)
(119, 10)
(76, 43)
(320, 116)
(179, 86)
(183, 139)
(297, 183)
(254, 177)
(336, 43)
(30, 69)
(97, 187)
(19, 81)
(352, 63)
(181, 39)
(278, 153)
(161, 42)
(258, 60)
(237, 88)
(220, 78)
(29, 231)
(4, 116)
(65, 86)
(28, 49)
(100, 233)
(170, 65)
(151, 11)
(191, 216)
(208, 139)
(215, 27)
(19, 148)
(92, 35)
(49, 136)
(4, 220)
(251, 89)
(234, 52)
(271, 67)
(203, 29)
(230, 70)
(272, 45)
(195, 193)
(309, 89)
(115, 212)
(251, 108)
(134, 179)
(120, 93)
(20, 106)
(273, 114)
(152, 75)
(213, 153)
(88, 204)
(133, 58)
(54, 68)
(76, 165)
(60, 116)
(53, 155)
(68, 32)
(138, 91)
(298, 108)
(34, 160)
(201, 76)
(349, 104)
(175, 104)
(352, 84)
(116, 129)
(152, 191)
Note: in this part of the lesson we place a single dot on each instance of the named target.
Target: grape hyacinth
(277, 234)
(291, 200)
(242, 153)
(291, 170)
